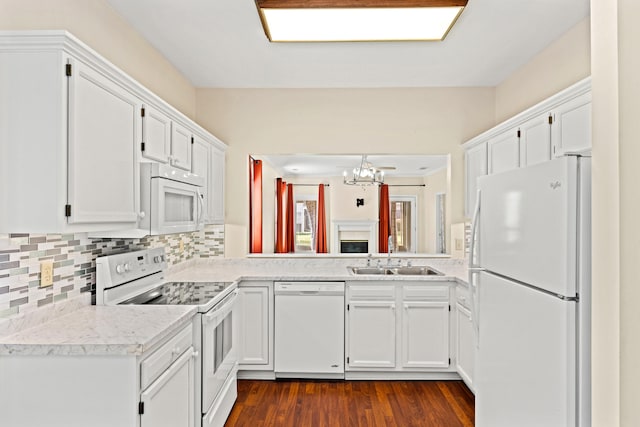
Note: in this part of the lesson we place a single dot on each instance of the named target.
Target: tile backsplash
(74, 267)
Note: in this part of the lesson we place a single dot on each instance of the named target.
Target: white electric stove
(137, 278)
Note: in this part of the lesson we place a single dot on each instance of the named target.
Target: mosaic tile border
(74, 266)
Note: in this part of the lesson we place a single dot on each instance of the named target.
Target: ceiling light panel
(340, 20)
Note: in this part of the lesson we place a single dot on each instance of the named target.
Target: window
(403, 223)
(305, 227)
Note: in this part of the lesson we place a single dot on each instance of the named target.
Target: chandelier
(365, 174)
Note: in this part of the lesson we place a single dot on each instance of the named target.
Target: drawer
(372, 292)
(162, 358)
(425, 292)
(463, 296)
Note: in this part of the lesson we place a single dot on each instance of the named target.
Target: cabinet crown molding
(62, 40)
(581, 87)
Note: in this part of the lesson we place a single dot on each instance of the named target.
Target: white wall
(342, 121)
(562, 63)
(98, 25)
(629, 126)
(606, 216)
(616, 106)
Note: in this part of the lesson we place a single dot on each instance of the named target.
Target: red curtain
(383, 219)
(281, 238)
(321, 230)
(291, 220)
(255, 205)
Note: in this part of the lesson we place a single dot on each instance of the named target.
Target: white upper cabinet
(208, 160)
(72, 132)
(180, 146)
(475, 165)
(572, 126)
(504, 152)
(554, 127)
(535, 140)
(68, 145)
(156, 135)
(104, 127)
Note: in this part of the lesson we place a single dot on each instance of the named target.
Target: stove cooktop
(180, 293)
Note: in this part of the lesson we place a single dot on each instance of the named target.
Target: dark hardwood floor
(309, 403)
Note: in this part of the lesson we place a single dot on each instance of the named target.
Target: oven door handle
(222, 308)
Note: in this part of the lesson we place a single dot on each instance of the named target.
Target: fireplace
(355, 236)
(354, 246)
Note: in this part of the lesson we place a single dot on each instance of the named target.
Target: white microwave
(171, 200)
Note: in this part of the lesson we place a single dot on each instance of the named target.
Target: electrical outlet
(181, 246)
(46, 273)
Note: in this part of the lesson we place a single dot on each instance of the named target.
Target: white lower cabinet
(425, 326)
(155, 389)
(169, 400)
(402, 321)
(465, 351)
(465, 336)
(371, 327)
(255, 325)
(425, 334)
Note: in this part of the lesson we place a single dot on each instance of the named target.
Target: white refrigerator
(530, 277)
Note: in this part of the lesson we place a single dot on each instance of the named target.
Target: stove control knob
(120, 269)
(156, 259)
(127, 267)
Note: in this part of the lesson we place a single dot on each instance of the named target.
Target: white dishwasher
(309, 329)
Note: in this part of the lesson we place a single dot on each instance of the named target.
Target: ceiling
(316, 165)
(221, 43)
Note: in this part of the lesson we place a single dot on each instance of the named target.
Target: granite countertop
(76, 328)
(99, 330)
(228, 270)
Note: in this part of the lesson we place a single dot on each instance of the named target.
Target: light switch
(458, 244)
(46, 273)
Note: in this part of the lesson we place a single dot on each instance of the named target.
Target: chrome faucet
(389, 249)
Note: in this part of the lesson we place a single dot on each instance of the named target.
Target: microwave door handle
(200, 209)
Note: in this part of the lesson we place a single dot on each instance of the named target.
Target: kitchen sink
(400, 271)
(370, 270)
(416, 271)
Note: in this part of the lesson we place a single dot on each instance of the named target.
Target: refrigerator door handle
(473, 270)
(474, 229)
